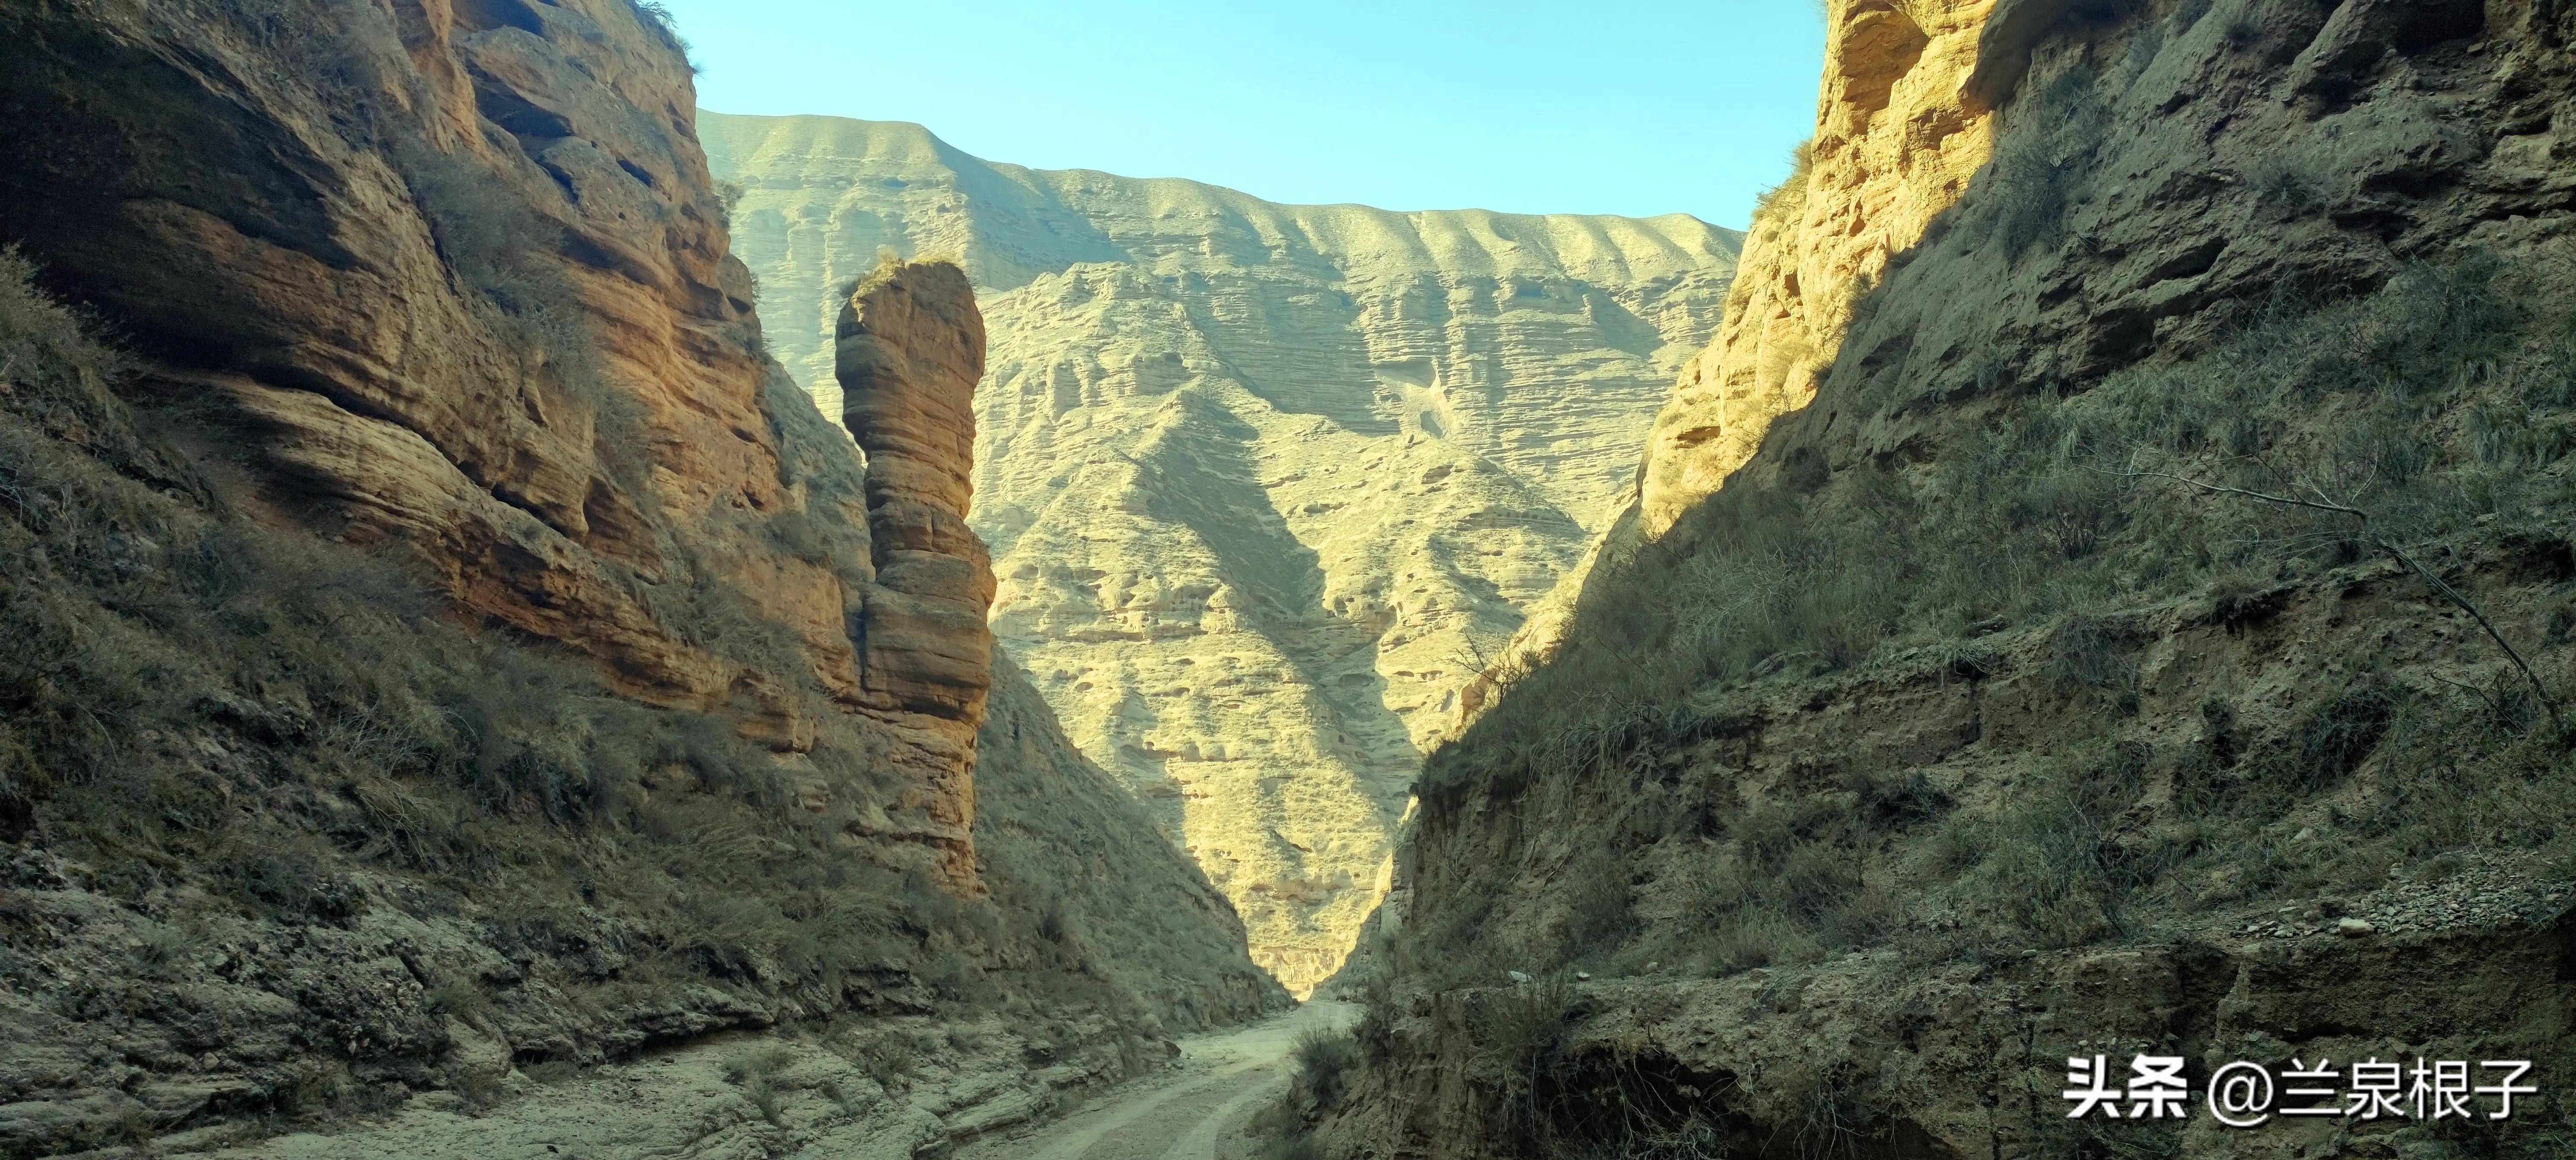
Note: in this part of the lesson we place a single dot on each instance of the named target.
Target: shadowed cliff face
(462, 284)
(1264, 483)
(1972, 689)
(682, 735)
(1897, 141)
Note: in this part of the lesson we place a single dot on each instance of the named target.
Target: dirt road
(1194, 1112)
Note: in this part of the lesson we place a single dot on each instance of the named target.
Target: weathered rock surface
(460, 278)
(910, 352)
(290, 839)
(1896, 143)
(1263, 482)
(280, 200)
(1779, 873)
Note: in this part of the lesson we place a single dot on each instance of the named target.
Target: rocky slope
(454, 648)
(1264, 483)
(1863, 190)
(2107, 589)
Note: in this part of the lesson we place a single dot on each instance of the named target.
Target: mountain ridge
(943, 144)
(1262, 482)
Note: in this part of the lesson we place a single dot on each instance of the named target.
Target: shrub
(1323, 1061)
(2043, 160)
(1784, 200)
(656, 17)
(758, 1073)
(2333, 739)
(2089, 654)
(508, 255)
(887, 1059)
(1517, 1026)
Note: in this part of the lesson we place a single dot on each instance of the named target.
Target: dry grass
(1784, 200)
(2397, 398)
(2038, 174)
(293, 733)
(2440, 403)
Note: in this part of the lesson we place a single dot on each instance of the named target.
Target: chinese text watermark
(2249, 1095)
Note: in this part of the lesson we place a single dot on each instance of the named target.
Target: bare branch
(2492, 704)
(2444, 587)
(2321, 503)
(2325, 503)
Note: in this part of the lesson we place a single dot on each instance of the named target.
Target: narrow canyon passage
(1198, 1111)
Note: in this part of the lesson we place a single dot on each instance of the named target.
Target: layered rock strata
(1897, 140)
(910, 350)
(1898, 137)
(432, 294)
(466, 289)
(1264, 483)
(2063, 755)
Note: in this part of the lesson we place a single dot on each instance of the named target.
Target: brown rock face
(1896, 143)
(448, 278)
(910, 351)
(2339, 235)
(459, 271)
(456, 278)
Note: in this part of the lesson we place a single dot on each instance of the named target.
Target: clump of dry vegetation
(2438, 413)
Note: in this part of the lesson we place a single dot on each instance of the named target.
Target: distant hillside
(1263, 482)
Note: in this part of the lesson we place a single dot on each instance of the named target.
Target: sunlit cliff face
(1899, 136)
(1897, 141)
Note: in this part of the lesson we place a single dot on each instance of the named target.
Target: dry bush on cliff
(2037, 174)
(505, 251)
(1780, 202)
(2439, 404)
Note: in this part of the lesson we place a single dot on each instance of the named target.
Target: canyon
(552, 622)
(1265, 484)
(455, 653)
(2106, 588)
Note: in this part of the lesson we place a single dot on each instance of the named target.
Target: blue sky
(1619, 106)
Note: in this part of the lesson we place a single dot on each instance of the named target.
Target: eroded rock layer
(1264, 483)
(910, 351)
(2107, 590)
(1896, 142)
(444, 644)
(465, 287)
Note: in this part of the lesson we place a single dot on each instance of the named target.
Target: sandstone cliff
(1895, 144)
(454, 646)
(464, 288)
(1264, 482)
(1971, 690)
(911, 350)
